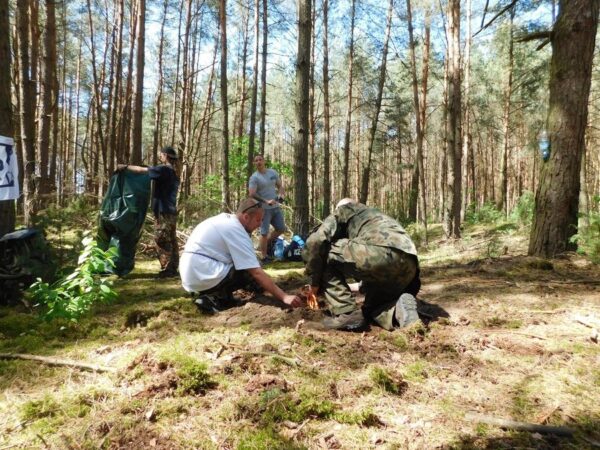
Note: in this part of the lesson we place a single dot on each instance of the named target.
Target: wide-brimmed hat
(170, 152)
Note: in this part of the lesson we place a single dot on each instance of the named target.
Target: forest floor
(503, 336)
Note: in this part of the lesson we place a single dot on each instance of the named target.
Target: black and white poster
(9, 170)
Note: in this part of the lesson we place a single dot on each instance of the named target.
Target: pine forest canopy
(425, 109)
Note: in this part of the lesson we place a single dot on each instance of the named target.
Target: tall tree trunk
(311, 116)
(244, 93)
(225, 199)
(156, 134)
(346, 162)
(557, 196)
(454, 150)
(47, 85)
(263, 78)
(414, 184)
(364, 191)
(300, 218)
(502, 194)
(253, 104)
(27, 125)
(7, 207)
(326, 116)
(138, 97)
(469, 197)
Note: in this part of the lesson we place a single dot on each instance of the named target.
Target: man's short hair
(249, 206)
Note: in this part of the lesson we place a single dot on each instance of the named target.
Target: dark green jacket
(359, 223)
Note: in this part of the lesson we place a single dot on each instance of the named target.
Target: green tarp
(122, 215)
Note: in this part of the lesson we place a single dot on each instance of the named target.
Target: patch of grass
(15, 324)
(24, 344)
(386, 381)
(193, 378)
(498, 322)
(266, 439)
(274, 405)
(416, 372)
(38, 409)
(522, 403)
(365, 418)
(482, 429)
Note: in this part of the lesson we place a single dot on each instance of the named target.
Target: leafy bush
(588, 238)
(487, 213)
(522, 213)
(72, 296)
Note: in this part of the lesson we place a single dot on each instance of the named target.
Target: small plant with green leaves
(487, 213)
(72, 296)
(587, 237)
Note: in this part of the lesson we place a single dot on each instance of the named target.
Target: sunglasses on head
(257, 205)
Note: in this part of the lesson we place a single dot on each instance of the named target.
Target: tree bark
(346, 151)
(364, 191)
(502, 194)
(27, 125)
(326, 117)
(253, 102)
(557, 196)
(7, 207)
(138, 97)
(300, 217)
(263, 79)
(225, 199)
(454, 149)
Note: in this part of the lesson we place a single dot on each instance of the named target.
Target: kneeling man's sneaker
(352, 321)
(406, 310)
(208, 304)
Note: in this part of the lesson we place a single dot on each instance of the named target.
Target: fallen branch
(515, 332)
(521, 426)
(57, 362)
(284, 359)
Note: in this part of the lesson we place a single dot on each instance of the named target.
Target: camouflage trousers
(385, 273)
(165, 237)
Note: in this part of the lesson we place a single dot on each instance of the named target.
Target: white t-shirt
(216, 245)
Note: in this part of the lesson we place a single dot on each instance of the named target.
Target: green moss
(37, 409)
(193, 377)
(16, 324)
(365, 418)
(383, 379)
(416, 372)
(266, 439)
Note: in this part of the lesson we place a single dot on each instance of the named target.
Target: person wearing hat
(164, 206)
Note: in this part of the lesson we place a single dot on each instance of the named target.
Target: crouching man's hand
(292, 300)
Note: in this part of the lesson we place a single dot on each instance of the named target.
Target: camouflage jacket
(357, 222)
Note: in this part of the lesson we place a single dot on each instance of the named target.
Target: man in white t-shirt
(219, 258)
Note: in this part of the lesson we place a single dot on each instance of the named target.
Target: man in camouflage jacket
(362, 243)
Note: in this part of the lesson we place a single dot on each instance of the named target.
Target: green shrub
(487, 213)
(73, 295)
(588, 238)
(522, 213)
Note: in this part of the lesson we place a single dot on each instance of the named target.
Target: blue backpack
(293, 251)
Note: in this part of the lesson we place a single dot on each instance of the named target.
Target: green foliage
(72, 296)
(37, 409)
(588, 238)
(193, 377)
(385, 380)
(365, 418)
(522, 213)
(484, 214)
(266, 439)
